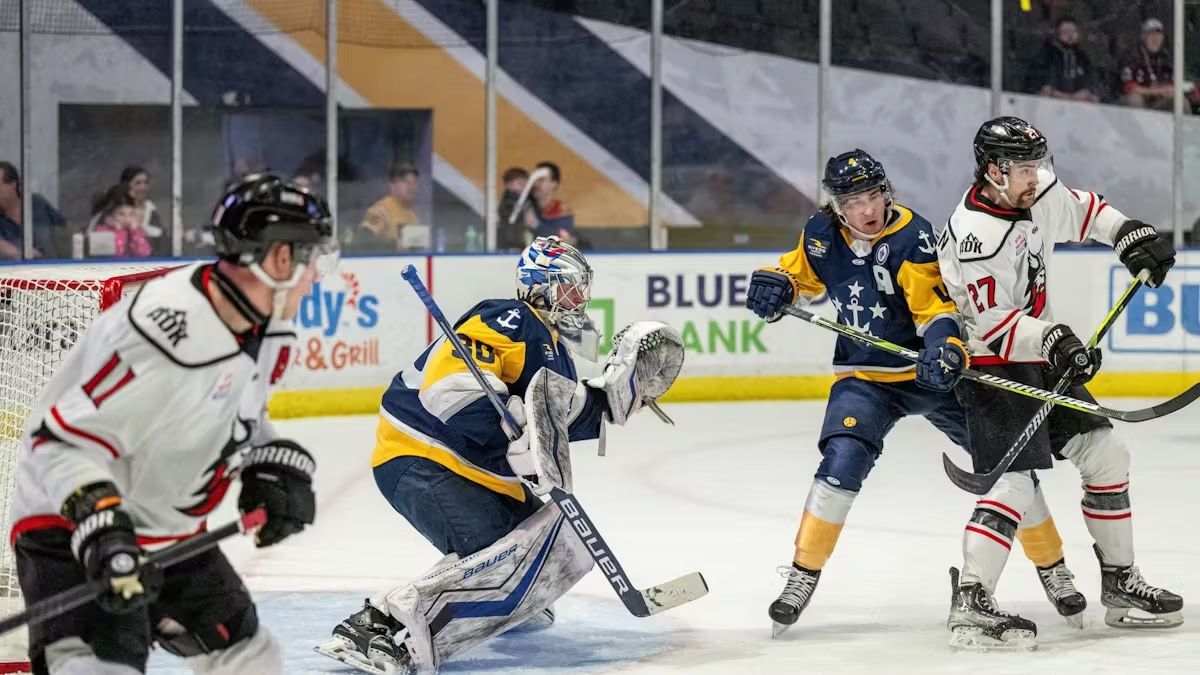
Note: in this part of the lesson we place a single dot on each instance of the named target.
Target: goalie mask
(556, 280)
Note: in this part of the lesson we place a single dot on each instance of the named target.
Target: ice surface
(721, 492)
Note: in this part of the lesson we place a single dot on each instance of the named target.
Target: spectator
(553, 216)
(116, 231)
(513, 236)
(1146, 70)
(381, 228)
(137, 182)
(1064, 70)
(48, 224)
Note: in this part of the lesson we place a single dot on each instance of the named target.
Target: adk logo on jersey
(339, 317)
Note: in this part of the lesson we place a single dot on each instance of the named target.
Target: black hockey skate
(1133, 603)
(796, 593)
(976, 623)
(1061, 592)
(369, 640)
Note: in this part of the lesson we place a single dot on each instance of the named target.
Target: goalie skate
(1130, 602)
(976, 624)
(1061, 592)
(368, 641)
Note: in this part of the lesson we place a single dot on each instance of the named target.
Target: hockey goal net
(43, 311)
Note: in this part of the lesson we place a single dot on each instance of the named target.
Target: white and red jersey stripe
(157, 397)
(995, 263)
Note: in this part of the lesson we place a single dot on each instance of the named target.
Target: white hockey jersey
(994, 263)
(158, 397)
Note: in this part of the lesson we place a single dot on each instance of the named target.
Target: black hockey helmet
(852, 172)
(260, 210)
(1007, 139)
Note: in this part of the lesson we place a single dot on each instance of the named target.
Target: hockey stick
(981, 483)
(639, 602)
(84, 593)
(534, 177)
(1052, 397)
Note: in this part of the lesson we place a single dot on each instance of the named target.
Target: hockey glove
(941, 363)
(278, 477)
(105, 544)
(1141, 247)
(769, 291)
(1065, 352)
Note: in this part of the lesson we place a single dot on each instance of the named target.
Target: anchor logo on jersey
(220, 473)
(930, 247)
(850, 311)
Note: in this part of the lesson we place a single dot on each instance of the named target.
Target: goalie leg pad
(461, 603)
(548, 402)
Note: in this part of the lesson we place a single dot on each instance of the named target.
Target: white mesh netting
(43, 311)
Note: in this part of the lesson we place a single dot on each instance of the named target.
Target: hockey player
(138, 436)
(877, 261)
(444, 463)
(995, 254)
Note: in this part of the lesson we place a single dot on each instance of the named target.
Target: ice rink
(722, 492)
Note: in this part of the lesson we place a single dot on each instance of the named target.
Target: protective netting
(43, 311)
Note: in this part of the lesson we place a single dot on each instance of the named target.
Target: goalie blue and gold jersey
(889, 287)
(436, 409)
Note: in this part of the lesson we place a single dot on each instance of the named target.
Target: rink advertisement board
(360, 327)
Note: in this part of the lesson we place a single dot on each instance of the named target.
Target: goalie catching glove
(278, 477)
(646, 358)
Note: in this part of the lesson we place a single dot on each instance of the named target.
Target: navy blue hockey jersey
(436, 409)
(891, 288)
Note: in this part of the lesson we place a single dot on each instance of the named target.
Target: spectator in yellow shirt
(381, 227)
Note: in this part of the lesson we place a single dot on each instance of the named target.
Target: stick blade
(975, 483)
(674, 593)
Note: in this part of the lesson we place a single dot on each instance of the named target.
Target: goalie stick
(639, 602)
(981, 483)
(1050, 397)
(61, 603)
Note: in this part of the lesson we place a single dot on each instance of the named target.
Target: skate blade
(343, 651)
(1129, 617)
(778, 629)
(972, 640)
(1075, 620)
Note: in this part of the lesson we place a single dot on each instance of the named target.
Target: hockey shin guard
(1037, 533)
(989, 534)
(1103, 463)
(824, 515)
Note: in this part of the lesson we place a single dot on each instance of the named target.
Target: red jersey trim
(974, 200)
(1087, 220)
(996, 329)
(83, 434)
(40, 521)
